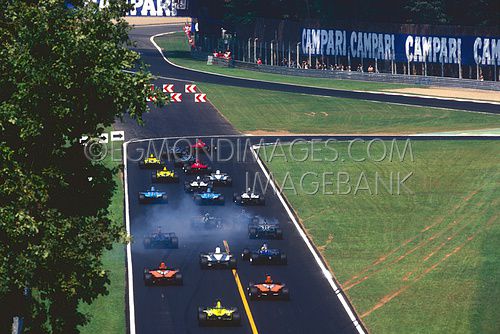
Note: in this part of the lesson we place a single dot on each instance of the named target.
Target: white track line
(295, 85)
(326, 272)
(130, 276)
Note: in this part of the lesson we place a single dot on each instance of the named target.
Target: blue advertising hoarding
(466, 50)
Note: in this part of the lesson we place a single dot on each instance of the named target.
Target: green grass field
(108, 312)
(177, 49)
(426, 260)
(254, 109)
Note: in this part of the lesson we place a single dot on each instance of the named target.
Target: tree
(61, 76)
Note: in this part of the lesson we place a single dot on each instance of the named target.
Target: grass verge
(260, 110)
(107, 312)
(177, 49)
(425, 261)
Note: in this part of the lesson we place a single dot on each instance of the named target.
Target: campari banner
(466, 50)
(155, 7)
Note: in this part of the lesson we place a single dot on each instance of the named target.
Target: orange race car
(162, 276)
(268, 289)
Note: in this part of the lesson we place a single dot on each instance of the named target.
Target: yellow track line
(243, 296)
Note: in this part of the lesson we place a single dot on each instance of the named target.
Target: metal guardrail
(418, 80)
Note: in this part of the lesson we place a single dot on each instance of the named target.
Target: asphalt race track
(313, 308)
(161, 68)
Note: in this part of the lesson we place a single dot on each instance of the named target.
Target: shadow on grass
(484, 317)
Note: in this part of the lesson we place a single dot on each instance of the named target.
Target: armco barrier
(418, 80)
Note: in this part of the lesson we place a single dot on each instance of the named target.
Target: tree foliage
(456, 12)
(61, 76)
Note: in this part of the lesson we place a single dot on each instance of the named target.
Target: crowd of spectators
(319, 65)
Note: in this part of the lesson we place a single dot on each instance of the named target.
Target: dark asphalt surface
(313, 307)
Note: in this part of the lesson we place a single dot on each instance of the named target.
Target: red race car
(162, 276)
(268, 289)
(197, 168)
(200, 145)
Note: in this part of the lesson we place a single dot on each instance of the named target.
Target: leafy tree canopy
(61, 76)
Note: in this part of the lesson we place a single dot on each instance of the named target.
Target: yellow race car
(164, 176)
(218, 315)
(151, 162)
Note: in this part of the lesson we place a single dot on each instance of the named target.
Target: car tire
(175, 242)
(253, 259)
(142, 198)
(164, 198)
(253, 292)
(202, 318)
(203, 263)
(279, 234)
(283, 258)
(148, 279)
(246, 254)
(252, 233)
(236, 318)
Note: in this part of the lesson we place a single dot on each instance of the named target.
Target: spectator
(370, 69)
(259, 61)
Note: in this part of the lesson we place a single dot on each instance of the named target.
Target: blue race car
(161, 240)
(152, 195)
(264, 255)
(260, 228)
(208, 198)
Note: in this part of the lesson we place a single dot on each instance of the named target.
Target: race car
(219, 179)
(197, 185)
(268, 289)
(249, 198)
(218, 315)
(174, 151)
(152, 196)
(217, 259)
(259, 228)
(183, 160)
(196, 168)
(162, 276)
(161, 240)
(208, 198)
(264, 255)
(164, 176)
(201, 146)
(151, 162)
(206, 221)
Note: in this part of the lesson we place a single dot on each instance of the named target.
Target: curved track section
(162, 68)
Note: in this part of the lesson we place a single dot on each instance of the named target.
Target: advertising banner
(157, 8)
(467, 50)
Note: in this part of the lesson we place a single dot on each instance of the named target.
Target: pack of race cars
(202, 184)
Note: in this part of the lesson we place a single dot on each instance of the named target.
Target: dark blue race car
(209, 198)
(152, 196)
(264, 255)
(260, 228)
(161, 240)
